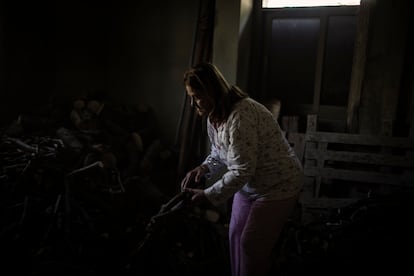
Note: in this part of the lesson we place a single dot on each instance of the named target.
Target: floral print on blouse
(258, 159)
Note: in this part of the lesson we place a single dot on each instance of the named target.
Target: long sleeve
(213, 161)
(258, 158)
(241, 157)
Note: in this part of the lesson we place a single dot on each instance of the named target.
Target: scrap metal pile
(74, 203)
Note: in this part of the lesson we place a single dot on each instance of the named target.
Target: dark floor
(373, 237)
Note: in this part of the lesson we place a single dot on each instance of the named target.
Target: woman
(263, 173)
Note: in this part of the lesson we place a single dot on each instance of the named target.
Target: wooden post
(311, 125)
(358, 67)
(411, 109)
(319, 64)
(397, 30)
(290, 123)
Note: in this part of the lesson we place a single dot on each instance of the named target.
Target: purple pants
(255, 227)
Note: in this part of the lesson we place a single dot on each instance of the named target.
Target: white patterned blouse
(258, 159)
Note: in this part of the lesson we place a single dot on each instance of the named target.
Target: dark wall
(135, 50)
(386, 91)
(27, 56)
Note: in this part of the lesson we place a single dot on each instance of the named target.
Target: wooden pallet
(341, 168)
(358, 159)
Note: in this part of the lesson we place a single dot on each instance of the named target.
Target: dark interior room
(97, 133)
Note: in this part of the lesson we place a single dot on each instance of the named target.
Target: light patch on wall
(246, 7)
(307, 3)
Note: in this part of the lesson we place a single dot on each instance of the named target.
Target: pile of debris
(78, 199)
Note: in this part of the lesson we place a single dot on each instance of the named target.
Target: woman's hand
(197, 196)
(194, 175)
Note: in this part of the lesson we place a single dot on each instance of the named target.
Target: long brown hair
(206, 78)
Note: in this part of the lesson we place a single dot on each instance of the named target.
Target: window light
(307, 3)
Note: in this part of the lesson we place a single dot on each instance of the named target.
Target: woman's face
(201, 101)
